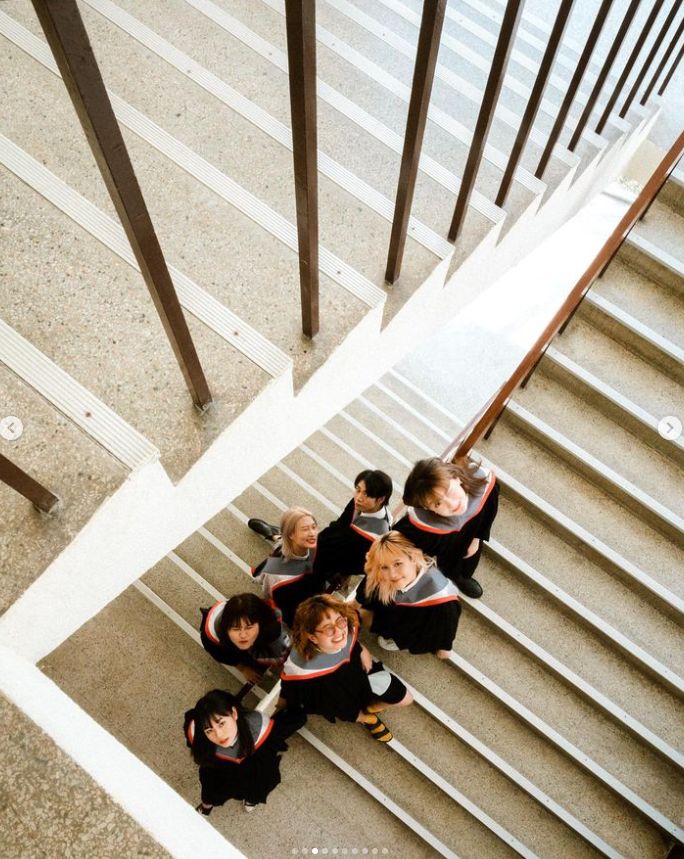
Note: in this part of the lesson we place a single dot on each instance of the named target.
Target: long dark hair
(427, 475)
(213, 704)
(255, 610)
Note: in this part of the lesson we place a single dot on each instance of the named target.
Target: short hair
(252, 608)
(288, 523)
(213, 704)
(428, 475)
(309, 614)
(384, 549)
(378, 484)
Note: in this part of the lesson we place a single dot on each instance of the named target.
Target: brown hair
(288, 523)
(383, 550)
(428, 475)
(310, 613)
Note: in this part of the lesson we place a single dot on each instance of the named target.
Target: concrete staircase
(556, 729)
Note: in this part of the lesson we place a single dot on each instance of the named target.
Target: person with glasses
(406, 600)
(330, 673)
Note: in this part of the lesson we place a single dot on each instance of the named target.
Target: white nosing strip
(332, 471)
(585, 615)
(604, 703)
(224, 550)
(311, 490)
(424, 448)
(438, 116)
(240, 198)
(75, 402)
(376, 439)
(339, 762)
(603, 472)
(261, 489)
(573, 752)
(335, 439)
(232, 509)
(279, 132)
(435, 405)
(195, 576)
(414, 412)
(658, 254)
(346, 107)
(94, 221)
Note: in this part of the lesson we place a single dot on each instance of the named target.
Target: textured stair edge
(96, 223)
(96, 419)
(604, 477)
(332, 756)
(265, 122)
(612, 403)
(371, 125)
(646, 257)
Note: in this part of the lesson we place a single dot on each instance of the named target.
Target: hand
(473, 547)
(251, 674)
(366, 660)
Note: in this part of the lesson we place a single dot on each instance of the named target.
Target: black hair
(214, 703)
(255, 610)
(378, 484)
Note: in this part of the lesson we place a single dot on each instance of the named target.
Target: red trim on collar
(314, 675)
(485, 495)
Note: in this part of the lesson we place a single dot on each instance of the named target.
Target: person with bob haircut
(330, 673)
(342, 546)
(237, 750)
(451, 507)
(245, 631)
(289, 575)
(407, 601)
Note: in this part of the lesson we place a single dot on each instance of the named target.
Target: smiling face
(332, 632)
(363, 502)
(305, 535)
(450, 502)
(222, 730)
(398, 570)
(244, 634)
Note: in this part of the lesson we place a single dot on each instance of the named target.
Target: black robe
(343, 545)
(268, 651)
(290, 583)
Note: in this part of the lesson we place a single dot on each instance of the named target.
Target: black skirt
(419, 629)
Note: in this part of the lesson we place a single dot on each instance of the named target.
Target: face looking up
(332, 631)
(305, 535)
(364, 503)
(400, 570)
(222, 730)
(244, 634)
(451, 502)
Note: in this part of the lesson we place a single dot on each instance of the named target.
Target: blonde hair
(288, 522)
(383, 551)
(310, 613)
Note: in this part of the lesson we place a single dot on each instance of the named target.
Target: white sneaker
(387, 643)
(248, 806)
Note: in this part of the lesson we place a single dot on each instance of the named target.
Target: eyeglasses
(329, 628)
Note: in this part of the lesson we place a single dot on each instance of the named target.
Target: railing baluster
(658, 41)
(423, 76)
(629, 65)
(69, 43)
(300, 18)
(15, 477)
(497, 72)
(603, 74)
(673, 67)
(573, 86)
(661, 65)
(535, 98)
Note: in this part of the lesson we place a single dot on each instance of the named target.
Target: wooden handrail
(485, 419)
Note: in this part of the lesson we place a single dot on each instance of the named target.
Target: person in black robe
(290, 574)
(451, 508)
(406, 600)
(330, 673)
(237, 750)
(246, 632)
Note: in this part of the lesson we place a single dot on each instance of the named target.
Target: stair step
(672, 192)
(655, 246)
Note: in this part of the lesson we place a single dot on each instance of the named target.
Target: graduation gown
(333, 685)
(422, 619)
(287, 583)
(343, 545)
(260, 656)
(447, 538)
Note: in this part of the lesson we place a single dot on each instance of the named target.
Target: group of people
(413, 572)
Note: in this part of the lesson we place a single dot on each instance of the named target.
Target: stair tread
(664, 228)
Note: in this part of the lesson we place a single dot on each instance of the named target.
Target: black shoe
(206, 811)
(470, 587)
(263, 529)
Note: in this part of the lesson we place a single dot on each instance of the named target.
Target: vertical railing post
(535, 98)
(423, 76)
(629, 65)
(661, 65)
(673, 67)
(657, 42)
(41, 498)
(573, 86)
(300, 22)
(504, 44)
(603, 74)
(69, 43)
